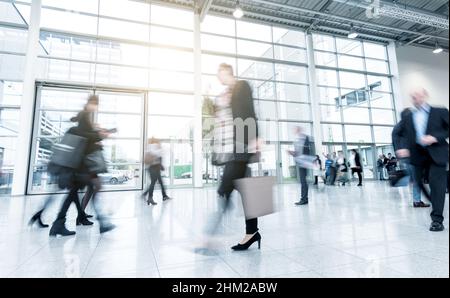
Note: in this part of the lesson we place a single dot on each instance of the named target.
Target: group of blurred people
(385, 165)
(84, 175)
(337, 169)
(420, 141)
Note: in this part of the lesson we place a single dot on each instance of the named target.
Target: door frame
(39, 85)
(345, 146)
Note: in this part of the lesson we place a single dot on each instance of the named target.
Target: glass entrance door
(55, 106)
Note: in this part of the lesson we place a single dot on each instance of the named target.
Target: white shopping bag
(257, 195)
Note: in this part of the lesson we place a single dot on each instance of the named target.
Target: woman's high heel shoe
(245, 246)
(37, 218)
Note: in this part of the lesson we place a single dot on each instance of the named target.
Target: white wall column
(396, 89)
(314, 95)
(198, 138)
(26, 109)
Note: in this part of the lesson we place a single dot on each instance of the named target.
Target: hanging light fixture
(352, 34)
(238, 12)
(438, 49)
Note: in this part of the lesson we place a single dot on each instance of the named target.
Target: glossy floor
(371, 231)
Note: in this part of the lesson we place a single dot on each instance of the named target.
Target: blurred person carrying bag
(67, 158)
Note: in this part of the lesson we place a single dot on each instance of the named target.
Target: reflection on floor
(344, 232)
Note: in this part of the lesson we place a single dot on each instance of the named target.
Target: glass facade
(273, 60)
(355, 96)
(143, 57)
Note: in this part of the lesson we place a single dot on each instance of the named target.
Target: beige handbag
(257, 195)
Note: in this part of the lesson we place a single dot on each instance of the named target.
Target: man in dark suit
(424, 134)
(302, 147)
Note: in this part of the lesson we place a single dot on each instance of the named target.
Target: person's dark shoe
(37, 218)
(436, 227)
(83, 221)
(246, 246)
(106, 228)
(302, 202)
(421, 205)
(166, 198)
(88, 215)
(59, 228)
(359, 184)
(151, 201)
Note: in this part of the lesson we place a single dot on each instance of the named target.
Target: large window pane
(172, 17)
(182, 167)
(164, 127)
(266, 110)
(254, 31)
(358, 134)
(218, 44)
(377, 66)
(125, 9)
(379, 83)
(291, 74)
(165, 80)
(292, 92)
(122, 76)
(325, 59)
(68, 100)
(89, 6)
(294, 111)
(11, 93)
(381, 100)
(163, 58)
(122, 151)
(120, 102)
(171, 104)
(332, 133)
(68, 21)
(324, 42)
(330, 113)
(290, 54)
(9, 14)
(373, 50)
(122, 53)
(383, 116)
(124, 30)
(218, 25)
(255, 49)
(255, 69)
(171, 37)
(356, 115)
(268, 130)
(348, 46)
(128, 126)
(352, 80)
(11, 67)
(326, 77)
(328, 95)
(263, 89)
(349, 62)
(13, 40)
(383, 134)
(288, 37)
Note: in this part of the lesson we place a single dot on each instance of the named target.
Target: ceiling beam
(204, 9)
